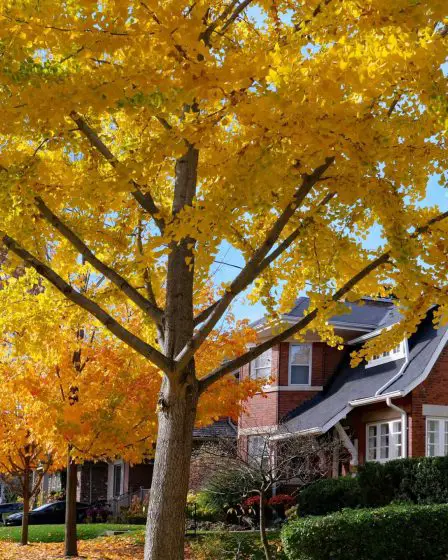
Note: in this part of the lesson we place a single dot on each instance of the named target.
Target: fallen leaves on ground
(106, 548)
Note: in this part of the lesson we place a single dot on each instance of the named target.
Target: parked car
(11, 507)
(52, 513)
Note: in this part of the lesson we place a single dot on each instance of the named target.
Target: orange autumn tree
(96, 397)
(141, 138)
(25, 456)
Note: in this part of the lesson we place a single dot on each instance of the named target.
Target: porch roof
(350, 385)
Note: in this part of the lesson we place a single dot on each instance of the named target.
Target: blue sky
(243, 309)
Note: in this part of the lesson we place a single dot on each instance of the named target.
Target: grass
(55, 533)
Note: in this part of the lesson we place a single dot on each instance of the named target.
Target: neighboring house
(394, 406)
(118, 481)
(200, 472)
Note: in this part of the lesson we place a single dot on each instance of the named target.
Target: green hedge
(329, 495)
(420, 480)
(391, 533)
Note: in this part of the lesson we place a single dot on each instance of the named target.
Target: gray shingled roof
(223, 428)
(370, 314)
(350, 384)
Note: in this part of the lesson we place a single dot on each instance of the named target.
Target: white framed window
(258, 448)
(436, 437)
(384, 441)
(260, 368)
(300, 364)
(396, 353)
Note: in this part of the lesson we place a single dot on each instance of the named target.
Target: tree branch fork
(269, 250)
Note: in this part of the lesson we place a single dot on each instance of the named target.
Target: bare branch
(144, 199)
(133, 294)
(251, 269)
(143, 348)
(244, 359)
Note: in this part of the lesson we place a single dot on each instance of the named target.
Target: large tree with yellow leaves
(139, 136)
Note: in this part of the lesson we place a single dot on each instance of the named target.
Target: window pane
(446, 438)
(395, 440)
(300, 375)
(384, 441)
(261, 366)
(300, 354)
(371, 446)
(433, 438)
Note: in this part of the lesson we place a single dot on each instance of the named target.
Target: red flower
(252, 501)
(282, 499)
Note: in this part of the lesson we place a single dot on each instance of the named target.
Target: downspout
(404, 427)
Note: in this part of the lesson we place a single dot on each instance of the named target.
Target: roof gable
(349, 385)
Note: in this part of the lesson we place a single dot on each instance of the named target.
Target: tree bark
(71, 544)
(26, 507)
(263, 537)
(165, 529)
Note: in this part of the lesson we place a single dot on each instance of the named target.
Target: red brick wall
(434, 390)
(270, 409)
(260, 411)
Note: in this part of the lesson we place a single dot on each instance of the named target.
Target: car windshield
(40, 508)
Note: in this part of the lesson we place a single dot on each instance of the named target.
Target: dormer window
(260, 368)
(300, 364)
(396, 353)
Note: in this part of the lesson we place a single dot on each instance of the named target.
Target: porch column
(348, 444)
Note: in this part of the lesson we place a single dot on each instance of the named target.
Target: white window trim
(403, 353)
(310, 365)
(442, 437)
(378, 436)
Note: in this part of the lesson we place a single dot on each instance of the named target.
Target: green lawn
(55, 533)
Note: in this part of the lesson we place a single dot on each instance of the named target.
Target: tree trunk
(26, 507)
(165, 529)
(263, 537)
(71, 544)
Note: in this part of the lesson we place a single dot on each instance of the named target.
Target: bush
(421, 480)
(393, 533)
(232, 545)
(329, 495)
(225, 491)
(199, 506)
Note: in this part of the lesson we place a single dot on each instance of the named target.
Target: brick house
(394, 406)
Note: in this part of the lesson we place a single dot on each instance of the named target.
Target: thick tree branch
(145, 200)
(244, 359)
(286, 243)
(206, 34)
(143, 348)
(133, 294)
(238, 10)
(270, 258)
(251, 269)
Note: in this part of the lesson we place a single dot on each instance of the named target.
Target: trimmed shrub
(421, 480)
(232, 545)
(394, 533)
(329, 495)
